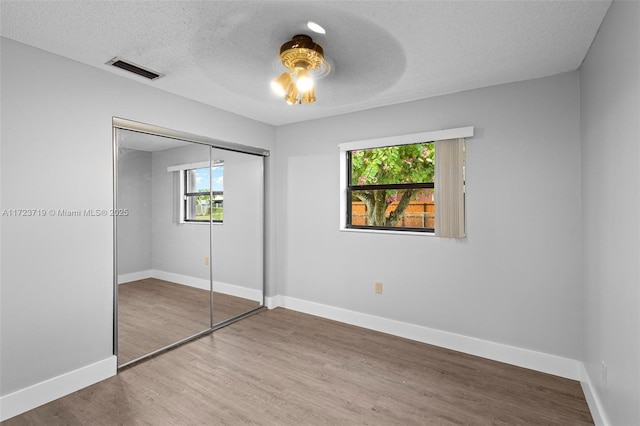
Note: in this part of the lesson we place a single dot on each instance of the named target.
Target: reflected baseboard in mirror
(155, 313)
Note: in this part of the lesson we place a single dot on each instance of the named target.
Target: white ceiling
(224, 53)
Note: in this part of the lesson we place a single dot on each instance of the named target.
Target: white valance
(180, 167)
(437, 135)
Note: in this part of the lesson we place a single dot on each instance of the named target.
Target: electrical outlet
(378, 287)
(206, 260)
(603, 373)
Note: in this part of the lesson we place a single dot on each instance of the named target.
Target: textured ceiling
(224, 53)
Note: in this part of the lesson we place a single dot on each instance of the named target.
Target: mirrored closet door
(189, 237)
(237, 238)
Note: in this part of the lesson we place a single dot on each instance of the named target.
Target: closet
(189, 236)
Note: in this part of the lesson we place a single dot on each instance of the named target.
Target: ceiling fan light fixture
(309, 97)
(304, 82)
(280, 84)
(301, 57)
(292, 95)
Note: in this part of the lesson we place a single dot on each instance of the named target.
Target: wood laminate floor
(153, 313)
(281, 367)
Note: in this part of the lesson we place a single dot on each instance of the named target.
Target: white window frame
(181, 168)
(345, 147)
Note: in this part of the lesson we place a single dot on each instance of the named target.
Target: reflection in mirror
(190, 245)
(237, 249)
(163, 277)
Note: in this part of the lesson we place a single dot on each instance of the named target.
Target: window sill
(385, 231)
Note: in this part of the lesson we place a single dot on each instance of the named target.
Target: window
(203, 194)
(391, 187)
(410, 184)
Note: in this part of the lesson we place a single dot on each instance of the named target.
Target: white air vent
(136, 69)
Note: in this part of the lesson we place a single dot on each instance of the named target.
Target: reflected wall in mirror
(236, 260)
(189, 248)
(156, 307)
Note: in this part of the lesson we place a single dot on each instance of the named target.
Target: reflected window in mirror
(203, 194)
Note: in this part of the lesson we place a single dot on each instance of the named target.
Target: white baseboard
(181, 279)
(593, 400)
(219, 287)
(238, 291)
(546, 363)
(41, 393)
(272, 302)
(134, 276)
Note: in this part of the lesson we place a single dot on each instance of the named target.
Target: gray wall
(514, 280)
(56, 279)
(237, 243)
(177, 248)
(610, 126)
(134, 194)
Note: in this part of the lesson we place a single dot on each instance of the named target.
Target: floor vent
(136, 69)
